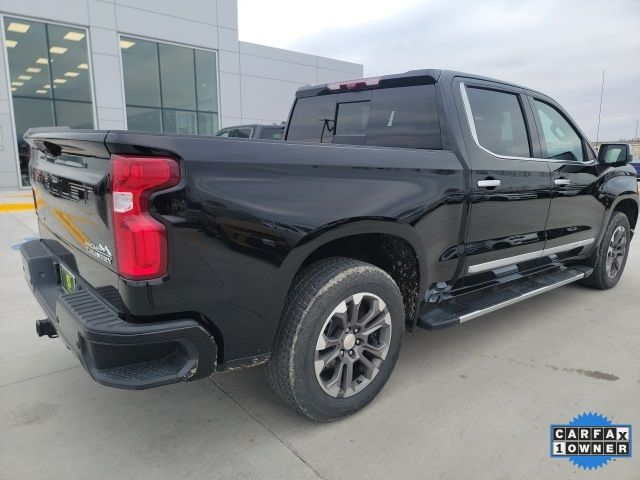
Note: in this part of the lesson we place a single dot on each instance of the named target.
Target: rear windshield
(392, 117)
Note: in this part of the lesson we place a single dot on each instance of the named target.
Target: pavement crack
(266, 427)
(37, 376)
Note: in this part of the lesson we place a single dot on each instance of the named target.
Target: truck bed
(241, 219)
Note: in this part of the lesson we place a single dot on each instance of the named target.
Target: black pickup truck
(424, 199)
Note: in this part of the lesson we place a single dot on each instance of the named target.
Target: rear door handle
(562, 181)
(489, 183)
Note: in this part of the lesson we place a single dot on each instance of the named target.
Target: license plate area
(67, 280)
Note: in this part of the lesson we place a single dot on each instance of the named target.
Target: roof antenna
(600, 110)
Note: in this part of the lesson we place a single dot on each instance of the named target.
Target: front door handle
(562, 181)
(489, 183)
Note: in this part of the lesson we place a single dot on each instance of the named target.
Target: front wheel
(339, 338)
(612, 254)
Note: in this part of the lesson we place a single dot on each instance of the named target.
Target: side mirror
(615, 154)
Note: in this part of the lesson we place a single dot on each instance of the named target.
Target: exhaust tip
(45, 327)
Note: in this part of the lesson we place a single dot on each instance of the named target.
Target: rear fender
(328, 233)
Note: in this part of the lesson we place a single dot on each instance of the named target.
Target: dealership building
(160, 65)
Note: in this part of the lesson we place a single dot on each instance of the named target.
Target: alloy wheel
(352, 345)
(616, 251)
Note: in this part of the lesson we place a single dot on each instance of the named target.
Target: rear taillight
(140, 240)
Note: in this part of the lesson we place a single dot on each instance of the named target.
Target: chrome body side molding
(503, 262)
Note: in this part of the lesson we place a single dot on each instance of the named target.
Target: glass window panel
(207, 123)
(141, 72)
(398, 120)
(236, 132)
(312, 119)
(176, 121)
(177, 76)
(179, 82)
(499, 122)
(74, 114)
(241, 132)
(30, 112)
(69, 81)
(352, 118)
(559, 139)
(144, 119)
(38, 53)
(30, 46)
(272, 133)
(207, 88)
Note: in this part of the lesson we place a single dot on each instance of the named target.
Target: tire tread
(599, 279)
(307, 288)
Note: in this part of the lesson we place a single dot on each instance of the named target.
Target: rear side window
(271, 133)
(560, 141)
(405, 117)
(394, 117)
(499, 122)
(236, 133)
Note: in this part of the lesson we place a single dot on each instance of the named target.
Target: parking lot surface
(474, 401)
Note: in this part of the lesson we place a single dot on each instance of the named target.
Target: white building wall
(269, 78)
(8, 154)
(256, 83)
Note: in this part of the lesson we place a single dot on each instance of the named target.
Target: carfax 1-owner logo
(590, 441)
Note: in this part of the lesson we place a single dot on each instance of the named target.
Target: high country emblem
(99, 251)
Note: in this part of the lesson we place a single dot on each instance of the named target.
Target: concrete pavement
(474, 401)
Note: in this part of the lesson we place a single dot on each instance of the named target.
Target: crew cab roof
(411, 77)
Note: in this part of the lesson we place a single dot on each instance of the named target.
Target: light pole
(636, 137)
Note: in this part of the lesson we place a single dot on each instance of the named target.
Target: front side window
(499, 122)
(169, 88)
(559, 139)
(50, 84)
(235, 133)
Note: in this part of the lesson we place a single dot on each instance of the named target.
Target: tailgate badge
(99, 251)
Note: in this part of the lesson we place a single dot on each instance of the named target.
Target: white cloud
(279, 23)
(557, 47)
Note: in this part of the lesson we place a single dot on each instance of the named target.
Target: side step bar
(456, 312)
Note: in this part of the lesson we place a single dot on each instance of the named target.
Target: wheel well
(630, 209)
(392, 254)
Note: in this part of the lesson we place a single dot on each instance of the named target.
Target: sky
(559, 47)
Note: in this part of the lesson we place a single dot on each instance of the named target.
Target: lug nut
(351, 353)
(341, 352)
(358, 342)
(356, 330)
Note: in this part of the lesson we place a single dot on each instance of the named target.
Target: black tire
(602, 277)
(313, 299)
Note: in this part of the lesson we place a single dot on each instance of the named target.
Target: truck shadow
(425, 358)
(448, 384)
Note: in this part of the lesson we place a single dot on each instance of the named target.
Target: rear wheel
(339, 338)
(612, 254)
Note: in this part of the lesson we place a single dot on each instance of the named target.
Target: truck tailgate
(69, 176)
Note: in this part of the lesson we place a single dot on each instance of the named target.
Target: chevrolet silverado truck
(424, 199)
